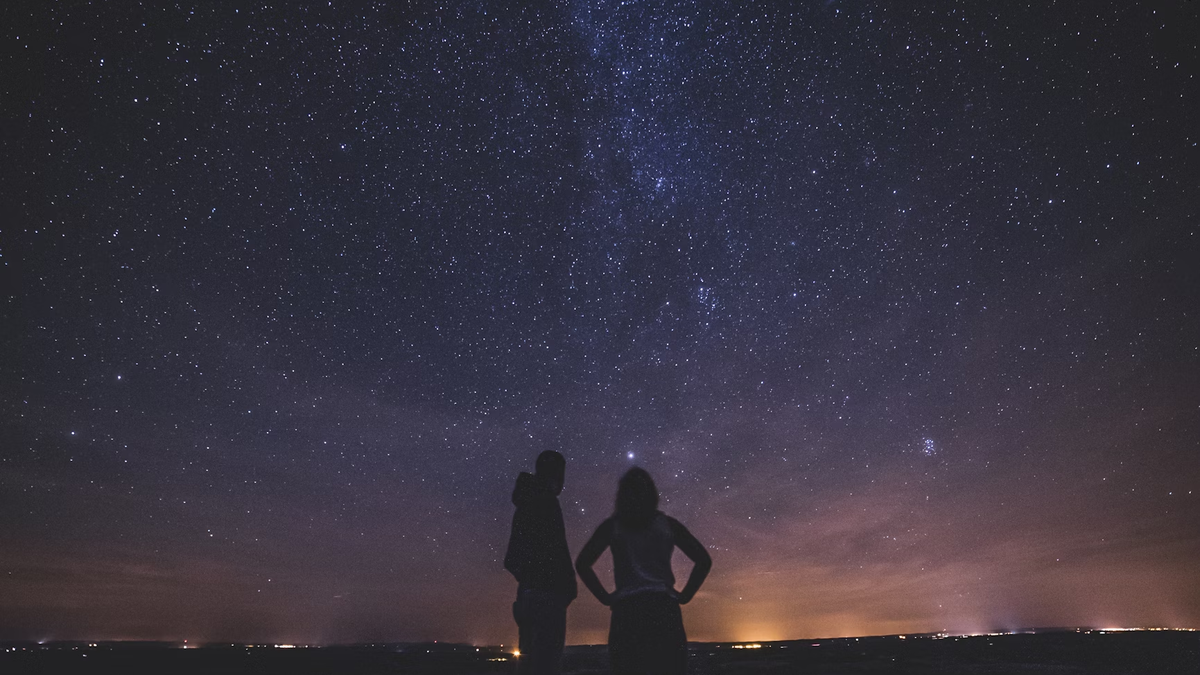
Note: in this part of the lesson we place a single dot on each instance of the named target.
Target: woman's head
(637, 498)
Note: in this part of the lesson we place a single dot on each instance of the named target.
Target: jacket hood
(530, 489)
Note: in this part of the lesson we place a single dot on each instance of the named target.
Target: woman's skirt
(646, 636)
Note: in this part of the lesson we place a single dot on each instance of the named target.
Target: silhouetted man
(538, 557)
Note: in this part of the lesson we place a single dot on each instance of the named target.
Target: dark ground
(1061, 653)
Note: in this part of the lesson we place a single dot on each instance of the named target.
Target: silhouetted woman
(646, 633)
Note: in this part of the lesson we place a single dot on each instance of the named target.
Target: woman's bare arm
(693, 549)
(589, 555)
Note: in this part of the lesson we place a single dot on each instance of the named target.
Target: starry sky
(897, 302)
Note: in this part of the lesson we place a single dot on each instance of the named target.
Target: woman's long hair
(637, 499)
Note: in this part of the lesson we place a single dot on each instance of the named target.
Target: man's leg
(543, 633)
(554, 636)
(526, 630)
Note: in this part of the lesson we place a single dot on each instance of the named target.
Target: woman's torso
(642, 557)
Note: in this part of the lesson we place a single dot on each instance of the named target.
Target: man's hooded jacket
(537, 548)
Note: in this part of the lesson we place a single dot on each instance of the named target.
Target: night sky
(898, 302)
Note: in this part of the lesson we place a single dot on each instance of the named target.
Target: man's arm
(600, 540)
(693, 549)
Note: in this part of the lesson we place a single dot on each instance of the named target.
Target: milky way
(897, 304)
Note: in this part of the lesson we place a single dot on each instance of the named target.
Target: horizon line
(186, 643)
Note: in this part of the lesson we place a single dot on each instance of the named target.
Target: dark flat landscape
(1061, 653)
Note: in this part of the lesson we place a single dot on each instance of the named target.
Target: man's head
(551, 467)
